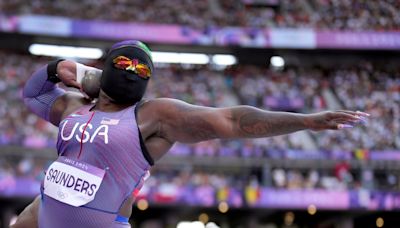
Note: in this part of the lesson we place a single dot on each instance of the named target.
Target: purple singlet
(109, 141)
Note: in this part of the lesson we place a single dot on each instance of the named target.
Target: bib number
(72, 182)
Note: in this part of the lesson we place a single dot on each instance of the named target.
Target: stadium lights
(289, 218)
(194, 224)
(65, 51)
(223, 207)
(158, 57)
(380, 222)
(203, 217)
(224, 60)
(185, 58)
(142, 204)
(277, 61)
(312, 209)
(193, 58)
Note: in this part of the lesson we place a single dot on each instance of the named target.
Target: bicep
(187, 123)
(41, 104)
(49, 105)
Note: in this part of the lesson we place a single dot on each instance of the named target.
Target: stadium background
(299, 56)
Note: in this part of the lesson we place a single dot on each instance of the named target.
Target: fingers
(363, 113)
(348, 112)
(361, 120)
(340, 126)
(339, 115)
(343, 126)
(87, 97)
(347, 119)
(74, 84)
(357, 113)
(357, 116)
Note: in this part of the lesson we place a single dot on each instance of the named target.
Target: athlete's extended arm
(182, 122)
(45, 98)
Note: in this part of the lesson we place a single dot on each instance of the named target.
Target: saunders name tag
(72, 182)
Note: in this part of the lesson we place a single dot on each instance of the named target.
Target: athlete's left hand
(335, 120)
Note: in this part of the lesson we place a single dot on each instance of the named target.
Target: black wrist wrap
(52, 75)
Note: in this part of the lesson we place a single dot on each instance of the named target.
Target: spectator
(203, 15)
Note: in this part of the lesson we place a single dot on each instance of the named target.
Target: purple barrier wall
(208, 196)
(147, 32)
(358, 40)
(177, 34)
(284, 103)
(301, 199)
(21, 187)
(384, 155)
(271, 198)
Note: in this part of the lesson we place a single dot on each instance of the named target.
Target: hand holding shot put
(119, 137)
(79, 76)
(90, 81)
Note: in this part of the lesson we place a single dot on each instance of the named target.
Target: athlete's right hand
(66, 72)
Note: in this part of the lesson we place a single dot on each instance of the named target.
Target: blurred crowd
(27, 167)
(165, 181)
(340, 177)
(294, 89)
(19, 126)
(321, 14)
(375, 91)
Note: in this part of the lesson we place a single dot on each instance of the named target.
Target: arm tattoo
(198, 129)
(252, 122)
(194, 126)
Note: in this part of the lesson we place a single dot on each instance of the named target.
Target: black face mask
(121, 85)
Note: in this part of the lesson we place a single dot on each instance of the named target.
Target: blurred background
(290, 55)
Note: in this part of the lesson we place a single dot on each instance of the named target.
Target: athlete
(106, 148)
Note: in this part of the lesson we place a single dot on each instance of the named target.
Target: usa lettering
(77, 131)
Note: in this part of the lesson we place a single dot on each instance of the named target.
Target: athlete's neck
(105, 104)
